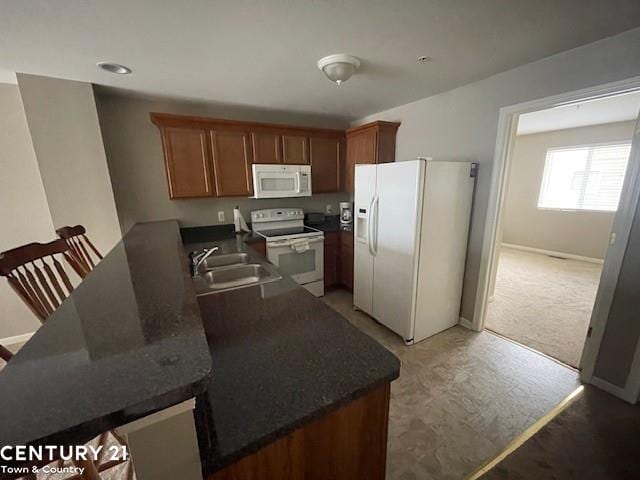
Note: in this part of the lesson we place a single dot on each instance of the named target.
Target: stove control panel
(277, 215)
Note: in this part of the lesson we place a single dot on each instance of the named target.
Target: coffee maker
(346, 213)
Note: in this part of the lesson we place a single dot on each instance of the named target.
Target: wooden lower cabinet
(346, 259)
(338, 259)
(331, 259)
(347, 444)
(259, 245)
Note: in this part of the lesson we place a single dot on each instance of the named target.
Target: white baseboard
(8, 341)
(466, 323)
(553, 253)
(612, 389)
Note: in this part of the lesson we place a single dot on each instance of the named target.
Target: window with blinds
(584, 178)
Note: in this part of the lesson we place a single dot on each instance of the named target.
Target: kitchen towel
(300, 246)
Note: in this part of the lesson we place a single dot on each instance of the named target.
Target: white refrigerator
(411, 229)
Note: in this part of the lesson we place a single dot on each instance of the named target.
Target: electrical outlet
(329, 209)
(221, 216)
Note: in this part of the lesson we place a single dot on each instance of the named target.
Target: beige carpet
(544, 302)
(461, 398)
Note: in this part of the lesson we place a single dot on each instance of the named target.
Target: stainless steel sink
(215, 261)
(229, 277)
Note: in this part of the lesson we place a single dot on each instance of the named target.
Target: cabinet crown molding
(379, 124)
(163, 120)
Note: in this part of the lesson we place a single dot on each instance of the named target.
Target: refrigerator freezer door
(396, 220)
(365, 189)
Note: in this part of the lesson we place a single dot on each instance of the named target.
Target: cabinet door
(266, 147)
(187, 162)
(324, 154)
(361, 149)
(346, 259)
(231, 162)
(259, 245)
(346, 267)
(295, 149)
(331, 249)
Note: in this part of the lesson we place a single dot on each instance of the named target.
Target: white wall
(575, 232)
(462, 123)
(136, 162)
(24, 213)
(66, 137)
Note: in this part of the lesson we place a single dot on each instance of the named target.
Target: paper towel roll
(238, 221)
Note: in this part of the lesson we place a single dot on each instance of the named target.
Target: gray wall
(462, 123)
(24, 213)
(66, 137)
(575, 232)
(136, 161)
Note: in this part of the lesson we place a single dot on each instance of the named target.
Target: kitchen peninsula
(280, 380)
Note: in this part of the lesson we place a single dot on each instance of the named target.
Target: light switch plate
(329, 209)
(221, 216)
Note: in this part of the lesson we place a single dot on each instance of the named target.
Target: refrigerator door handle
(374, 212)
(370, 227)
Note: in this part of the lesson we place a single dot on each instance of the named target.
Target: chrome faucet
(198, 259)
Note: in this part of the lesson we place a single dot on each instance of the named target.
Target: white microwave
(281, 181)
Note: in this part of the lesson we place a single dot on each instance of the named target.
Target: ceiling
(618, 108)
(264, 53)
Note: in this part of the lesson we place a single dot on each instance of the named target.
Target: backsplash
(205, 211)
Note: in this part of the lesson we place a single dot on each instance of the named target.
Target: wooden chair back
(80, 246)
(38, 277)
(5, 353)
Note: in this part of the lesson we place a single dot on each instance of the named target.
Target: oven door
(281, 181)
(303, 265)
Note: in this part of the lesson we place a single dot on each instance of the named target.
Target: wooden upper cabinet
(232, 161)
(324, 154)
(187, 162)
(295, 149)
(371, 143)
(266, 147)
(208, 157)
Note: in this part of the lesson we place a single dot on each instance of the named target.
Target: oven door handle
(287, 243)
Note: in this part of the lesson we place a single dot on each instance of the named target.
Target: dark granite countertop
(332, 224)
(129, 341)
(283, 358)
(133, 339)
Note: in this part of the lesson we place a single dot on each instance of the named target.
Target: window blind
(584, 177)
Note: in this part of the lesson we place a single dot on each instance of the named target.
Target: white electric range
(296, 250)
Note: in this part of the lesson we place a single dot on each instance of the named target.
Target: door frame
(507, 127)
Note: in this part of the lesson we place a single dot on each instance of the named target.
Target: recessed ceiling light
(424, 59)
(114, 68)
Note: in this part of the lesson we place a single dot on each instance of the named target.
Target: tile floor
(461, 398)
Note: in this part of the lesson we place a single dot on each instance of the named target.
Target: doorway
(566, 172)
(529, 265)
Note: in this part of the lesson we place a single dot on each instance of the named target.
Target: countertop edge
(302, 422)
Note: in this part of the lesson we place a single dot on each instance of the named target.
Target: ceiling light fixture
(114, 68)
(339, 67)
